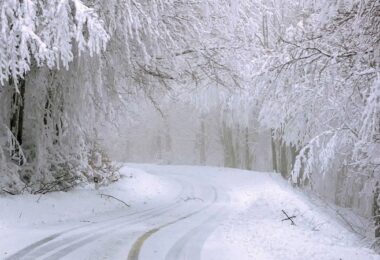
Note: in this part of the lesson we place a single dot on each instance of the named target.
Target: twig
(10, 193)
(343, 218)
(288, 218)
(110, 196)
(39, 197)
(61, 183)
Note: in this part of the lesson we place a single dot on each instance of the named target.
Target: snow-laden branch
(47, 35)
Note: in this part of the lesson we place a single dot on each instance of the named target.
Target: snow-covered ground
(176, 212)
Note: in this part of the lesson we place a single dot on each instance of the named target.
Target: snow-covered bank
(256, 229)
(176, 212)
(25, 218)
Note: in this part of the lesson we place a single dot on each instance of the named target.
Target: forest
(291, 87)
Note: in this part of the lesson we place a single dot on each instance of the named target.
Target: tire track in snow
(136, 247)
(46, 242)
(189, 246)
(88, 239)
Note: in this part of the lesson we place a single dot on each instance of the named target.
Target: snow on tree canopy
(44, 32)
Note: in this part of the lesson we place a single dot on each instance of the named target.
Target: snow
(213, 213)
(256, 229)
(135, 186)
(31, 217)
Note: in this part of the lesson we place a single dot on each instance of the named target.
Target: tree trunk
(274, 157)
(376, 210)
(168, 144)
(202, 153)
(17, 118)
(248, 156)
(228, 145)
(293, 154)
(284, 161)
(158, 146)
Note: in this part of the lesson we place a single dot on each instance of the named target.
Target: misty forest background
(275, 85)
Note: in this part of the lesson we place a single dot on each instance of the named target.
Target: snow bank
(26, 216)
(134, 186)
(256, 230)
(252, 227)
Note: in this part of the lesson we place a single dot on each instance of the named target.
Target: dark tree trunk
(376, 210)
(202, 155)
(229, 149)
(17, 116)
(274, 157)
(284, 161)
(376, 172)
(293, 153)
(248, 156)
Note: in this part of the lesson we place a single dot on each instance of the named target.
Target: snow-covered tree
(305, 71)
(318, 83)
(38, 40)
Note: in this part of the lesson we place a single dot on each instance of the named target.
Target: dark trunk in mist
(376, 210)
(17, 115)
(274, 156)
(283, 160)
(17, 110)
(202, 152)
(248, 156)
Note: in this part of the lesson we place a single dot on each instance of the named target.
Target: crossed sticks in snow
(288, 218)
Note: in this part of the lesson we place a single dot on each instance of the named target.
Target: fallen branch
(10, 193)
(353, 228)
(288, 218)
(61, 183)
(112, 197)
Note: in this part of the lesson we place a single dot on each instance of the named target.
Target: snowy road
(177, 213)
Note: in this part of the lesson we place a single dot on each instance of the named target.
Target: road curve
(193, 213)
(183, 224)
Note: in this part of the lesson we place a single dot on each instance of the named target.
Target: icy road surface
(176, 212)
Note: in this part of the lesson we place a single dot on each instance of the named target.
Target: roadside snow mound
(135, 186)
(259, 229)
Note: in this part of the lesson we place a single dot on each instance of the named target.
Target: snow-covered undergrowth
(135, 186)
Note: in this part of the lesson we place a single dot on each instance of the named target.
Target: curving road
(184, 213)
(169, 230)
